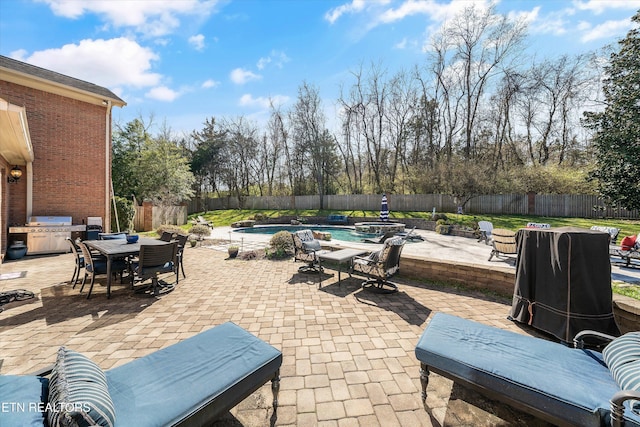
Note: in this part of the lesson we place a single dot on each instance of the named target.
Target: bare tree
(473, 48)
(312, 141)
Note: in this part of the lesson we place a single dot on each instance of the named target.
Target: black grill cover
(563, 281)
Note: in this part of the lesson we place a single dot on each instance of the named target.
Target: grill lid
(49, 220)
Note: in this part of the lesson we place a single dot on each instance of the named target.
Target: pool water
(345, 234)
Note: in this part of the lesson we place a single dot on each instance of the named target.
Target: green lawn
(511, 222)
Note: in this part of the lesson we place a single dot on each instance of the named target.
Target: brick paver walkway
(348, 353)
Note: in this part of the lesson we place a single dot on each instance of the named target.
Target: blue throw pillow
(78, 393)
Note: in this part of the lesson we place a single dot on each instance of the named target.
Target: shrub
(248, 255)
(443, 228)
(170, 228)
(442, 222)
(200, 230)
(281, 243)
(438, 217)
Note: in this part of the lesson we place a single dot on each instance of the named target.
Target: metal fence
(561, 205)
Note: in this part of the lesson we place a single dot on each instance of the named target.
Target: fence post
(531, 203)
(147, 214)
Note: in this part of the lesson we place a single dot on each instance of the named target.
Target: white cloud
(606, 29)
(402, 44)
(247, 100)
(277, 57)
(110, 63)
(600, 6)
(209, 84)
(408, 8)
(197, 41)
(334, 14)
(162, 93)
(241, 76)
(263, 62)
(149, 17)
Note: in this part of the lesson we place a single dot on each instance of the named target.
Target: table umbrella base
(380, 287)
(155, 288)
(310, 269)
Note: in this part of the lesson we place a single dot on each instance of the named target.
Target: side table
(339, 257)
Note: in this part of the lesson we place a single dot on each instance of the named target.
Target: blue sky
(183, 61)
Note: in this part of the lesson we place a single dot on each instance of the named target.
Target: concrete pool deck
(435, 246)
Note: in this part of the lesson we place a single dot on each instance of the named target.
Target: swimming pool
(346, 234)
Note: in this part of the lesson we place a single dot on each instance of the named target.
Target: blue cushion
(568, 381)
(23, 399)
(79, 393)
(167, 385)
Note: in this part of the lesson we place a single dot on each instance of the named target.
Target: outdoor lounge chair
(612, 231)
(191, 383)
(337, 219)
(627, 253)
(409, 235)
(559, 384)
(201, 221)
(379, 240)
(380, 266)
(503, 242)
(485, 228)
(306, 249)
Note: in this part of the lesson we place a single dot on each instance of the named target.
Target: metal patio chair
(380, 266)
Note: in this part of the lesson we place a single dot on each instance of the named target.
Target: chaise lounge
(559, 384)
(190, 383)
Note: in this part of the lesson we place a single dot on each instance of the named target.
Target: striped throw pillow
(78, 393)
(622, 356)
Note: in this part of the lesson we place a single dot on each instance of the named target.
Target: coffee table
(339, 257)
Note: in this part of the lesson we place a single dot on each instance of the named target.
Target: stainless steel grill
(47, 234)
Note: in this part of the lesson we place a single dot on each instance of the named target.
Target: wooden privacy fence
(561, 205)
(149, 217)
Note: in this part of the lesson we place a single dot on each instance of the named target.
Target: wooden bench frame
(503, 242)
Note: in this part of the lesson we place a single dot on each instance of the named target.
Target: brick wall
(497, 279)
(68, 138)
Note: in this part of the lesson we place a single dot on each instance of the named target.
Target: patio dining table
(119, 248)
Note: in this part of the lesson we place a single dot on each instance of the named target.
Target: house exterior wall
(70, 175)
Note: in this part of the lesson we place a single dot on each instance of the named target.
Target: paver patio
(348, 353)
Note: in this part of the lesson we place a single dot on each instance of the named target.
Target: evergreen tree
(617, 128)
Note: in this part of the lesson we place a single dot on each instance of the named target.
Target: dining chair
(181, 239)
(167, 236)
(153, 261)
(79, 258)
(98, 265)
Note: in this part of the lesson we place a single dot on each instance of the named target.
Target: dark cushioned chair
(97, 264)
(559, 384)
(191, 383)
